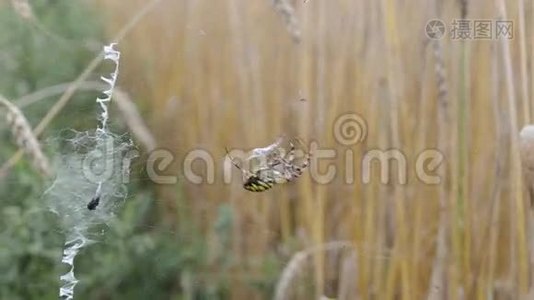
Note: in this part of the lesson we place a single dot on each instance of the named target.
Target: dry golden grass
(227, 73)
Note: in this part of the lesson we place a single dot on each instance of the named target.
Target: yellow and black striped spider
(275, 167)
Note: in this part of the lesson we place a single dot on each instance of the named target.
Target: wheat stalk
(527, 160)
(437, 279)
(519, 266)
(298, 263)
(348, 277)
(524, 62)
(133, 119)
(24, 137)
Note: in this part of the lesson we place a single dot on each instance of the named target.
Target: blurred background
(205, 75)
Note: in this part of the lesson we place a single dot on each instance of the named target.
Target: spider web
(90, 164)
(263, 156)
(281, 161)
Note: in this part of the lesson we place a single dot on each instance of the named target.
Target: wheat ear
(298, 262)
(24, 137)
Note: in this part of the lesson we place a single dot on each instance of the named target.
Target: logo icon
(350, 129)
(435, 29)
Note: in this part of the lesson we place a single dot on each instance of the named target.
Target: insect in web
(95, 200)
(93, 203)
(273, 166)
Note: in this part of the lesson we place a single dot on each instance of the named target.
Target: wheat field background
(233, 73)
(212, 74)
